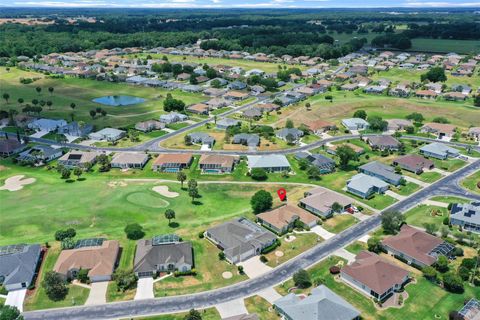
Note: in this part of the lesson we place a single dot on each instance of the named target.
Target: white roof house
(355, 124)
(364, 185)
(272, 162)
(47, 124)
(439, 151)
(109, 134)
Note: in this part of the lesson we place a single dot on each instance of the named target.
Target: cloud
(438, 4)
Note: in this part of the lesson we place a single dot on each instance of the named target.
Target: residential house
(129, 160)
(383, 142)
(202, 138)
(398, 124)
(416, 246)
(439, 151)
(19, 265)
(455, 96)
(374, 276)
(236, 95)
(319, 126)
(237, 85)
(401, 90)
(349, 87)
(98, 256)
(225, 123)
(173, 117)
(10, 146)
(108, 134)
(214, 92)
(435, 87)
(217, 103)
(324, 164)
(333, 148)
(212, 163)
(172, 162)
(319, 201)
(199, 108)
(289, 134)
(165, 253)
(40, 154)
(252, 113)
(283, 218)
(466, 215)
(321, 304)
(413, 163)
(441, 130)
(246, 139)
(76, 129)
(381, 171)
(251, 316)
(270, 163)
(47, 125)
(474, 132)
(267, 107)
(80, 159)
(470, 310)
(365, 186)
(240, 239)
(355, 124)
(149, 125)
(375, 89)
(426, 94)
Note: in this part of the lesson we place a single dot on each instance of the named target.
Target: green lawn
(407, 189)
(445, 45)
(428, 177)
(449, 165)
(302, 243)
(339, 222)
(126, 142)
(356, 247)
(220, 111)
(207, 314)
(261, 307)
(471, 182)
(113, 294)
(378, 201)
(422, 214)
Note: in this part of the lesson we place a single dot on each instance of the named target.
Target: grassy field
(407, 189)
(422, 214)
(302, 242)
(339, 222)
(356, 247)
(445, 45)
(261, 307)
(81, 92)
(471, 182)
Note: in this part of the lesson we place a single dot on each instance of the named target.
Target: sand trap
(279, 253)
(16, 183)
(227, 275)
(163, 190)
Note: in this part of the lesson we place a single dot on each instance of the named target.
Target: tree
(65, 173)
(193, 315)
(82, 275)
(61, 235)
(374, 244)
(169, 214)
(38, 89)
(442, 264)
(430, 273)
(377, 123)
(54, 285)
(431, 228)
(392, 221)
(362, 114)
(345, 154)
(93, 113)
(289, 124)
(440, 120)
(134, 231)
(10, 313)
(78, 172)
(182, 177)
(49, 104)
(302, 280)
(6, 96)
(416, 117)
(313, 173)
(216, 84)
(187, 140)
(51, 89)
(453, 282)
(435, 74)
(258, 174)
(172, 104)
(20, 101)
(337, 207)
(261, 201)
(193, 189)
(72, 106)
(125, 279)
(476, 100)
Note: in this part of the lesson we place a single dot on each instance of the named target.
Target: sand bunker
(163, 190)
(16, 183)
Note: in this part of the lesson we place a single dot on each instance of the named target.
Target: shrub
(63, 234)
(55, 286)
(125, 279)
(262, 200)
(271, 247)
(82, 276)
(258, 174)
(453, 283)
(240, 269)
(334, 270)
(221, 255)
(301, 278)
(201, 235)
(263, 259)
(134, 231)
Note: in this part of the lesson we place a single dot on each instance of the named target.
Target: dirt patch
(227, 275)
(163, 190)
(279, 253)
(16, 183)
(114, 184)
(290, 238)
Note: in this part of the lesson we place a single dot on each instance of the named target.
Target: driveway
(394, 195)
(98, 293)
(322, 232)
(253, 267)
(350, 257)
(144, 289)
(416, 181)
(15, 298)
(269, 294)
(231, 308)
(39, 134)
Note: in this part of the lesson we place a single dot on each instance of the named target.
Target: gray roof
(18, 263)
(354, 122)
(250, 139)
(380, 169)
(315, 159)
(467, 212)
(363, 183)
(227, 122)
(46, 151)
(384, 141)
(201, 137)
(294, 132)
(439, 148)
(321, 304)
(268, 161)
(148, 256)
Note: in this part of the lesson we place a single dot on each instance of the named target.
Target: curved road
(446, 186)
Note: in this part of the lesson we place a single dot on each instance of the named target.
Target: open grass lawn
(428, 177)
(471, 182)
(445, 45)
(339, 222)
(113, 294)
(356, 247)
(407, 189)
(261, 307)
(207, 314)
(220, 110)
(39, 300)
(302, 242)
(378, 201)
(449, 199)
(81, 92)
(422, 214)
(449, 165)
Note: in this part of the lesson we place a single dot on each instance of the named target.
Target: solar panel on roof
(165, 239)
(11, 249)
(92, 242)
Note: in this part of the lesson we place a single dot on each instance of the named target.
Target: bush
(261, 201)
(271, 247)
(61, 235)
(263, 259)
(82, 276)
(134, 231)
(458, 252)
(221, 255)
(201, 235)
(301, 279)
(192, 272)
(55, 286)
(258, 174)
(240, 269)
(453, 283)
(68, 243)
(334, 270)
(446, 221)
(430, 273)
(125, 279)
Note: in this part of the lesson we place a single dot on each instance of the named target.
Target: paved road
(247, 288)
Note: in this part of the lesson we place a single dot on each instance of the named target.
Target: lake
(118, 101)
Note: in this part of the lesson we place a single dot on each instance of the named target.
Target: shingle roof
(129, 157)
(148, 256)
(380, 169)
(268, 161)
(183, 158)
(363, 183)
(19, 266)
(284, 215)
(323, 199)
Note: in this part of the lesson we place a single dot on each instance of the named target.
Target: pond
(118, 101)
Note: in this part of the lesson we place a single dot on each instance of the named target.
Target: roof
(284, 215)
(129, 157)
(268, 161)
(199, 107)
(363, 183)
(294, 132)
(414, 161)
(375, 272)
(383, 141)
(166, 158)
(18, 263)
(99, 260)
(471, 310)
(414, 243)
(227, 122)
(439, 148)
(148, 255)
(354, 122)
(109, 132)
(321, 304)
(323, 199)
(80, 156)
(318, 124)
(9, 145)
(440, 127)
(380, 169)
(224, 161)
(467, 212)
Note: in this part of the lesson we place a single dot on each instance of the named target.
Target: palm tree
(6, 96)
(34, 102)
(181, 176)
(49, 104)
(50, 89)
(169, 214)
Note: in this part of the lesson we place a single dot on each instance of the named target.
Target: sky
(240, 3)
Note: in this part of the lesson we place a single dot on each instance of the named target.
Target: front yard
(292, 246)
(339, 222)
(472, 182)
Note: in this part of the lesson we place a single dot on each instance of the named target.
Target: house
(283, 218)
(267, 107)
(125, 160)
(237, 85)
(416, 247)
(173, 117)
(426, 94)
(471, 310)
(349, 87)
(227, 122)
(333, 148)
(217, 103)
(319, 201)
(325, 164)
(270, 163)
(439, 151)
(76, 129)
(214, 92)
(98, 256)
(165, 253)
(466, 215)
(381, 171)
(440, 129)
(199, 108)
(383, 142)
(40, 154)
(289, 134)
(319, 126)
(109, 134)
(19, 265)
(10, 146)
(80, 159)
(321, 304)
(252, 113)
(246, 139)
(455, 96)
(365, 186)
(240, 239)
(474, 132)
(46, 124)
(374, 276)
(236, 95)
(355, 124)
(212, 163)
(398, 124)
(202, 138)
(375, 89)
(149, 125)
(172, 162)
(413, 163)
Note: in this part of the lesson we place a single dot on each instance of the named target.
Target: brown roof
(100, 260)
(9, 145)
(199, 107)
(428, 93)
(323, 199)
(165, 158)
(224, 161)
(440, 127)
(414, 161)
(414, 243)
(383, 141)
(283, 216)
(319, 124)
(375, 272)
(129, 158)
(236, 94)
